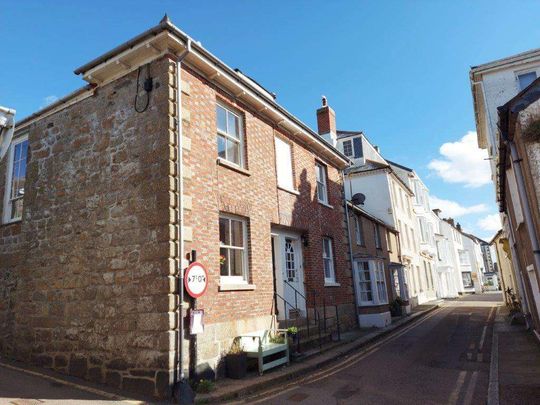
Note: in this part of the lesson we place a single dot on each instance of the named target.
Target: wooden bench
(262, 343)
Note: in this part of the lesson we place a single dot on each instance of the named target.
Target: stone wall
(85, 277)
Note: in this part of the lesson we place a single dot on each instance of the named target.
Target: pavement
(24, 385)
(518, 362)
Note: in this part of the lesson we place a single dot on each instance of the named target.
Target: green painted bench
(264, 343)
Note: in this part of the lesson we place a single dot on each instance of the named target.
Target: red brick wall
(255, 195)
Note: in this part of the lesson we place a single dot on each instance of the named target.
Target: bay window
(371, 282)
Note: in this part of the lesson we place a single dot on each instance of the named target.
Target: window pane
(233, 125)
(224, 261)
(233, 151)
(237, 262)
(526, 79)
(327, 271)
(221, 142)
(325, 247)
(224, 231)
(347, 148)
(237, 233)
(221, 118)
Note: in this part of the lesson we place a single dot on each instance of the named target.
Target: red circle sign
(196, 279)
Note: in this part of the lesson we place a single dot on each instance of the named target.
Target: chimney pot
(324, 101)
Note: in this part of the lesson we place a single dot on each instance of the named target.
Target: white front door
(289, 275)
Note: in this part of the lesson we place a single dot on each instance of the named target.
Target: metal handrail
(320, 321)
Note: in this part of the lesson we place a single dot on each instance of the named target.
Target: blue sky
(396, 70)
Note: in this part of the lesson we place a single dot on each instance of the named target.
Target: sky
(397, 70)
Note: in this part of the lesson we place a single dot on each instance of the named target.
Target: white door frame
(279, 238)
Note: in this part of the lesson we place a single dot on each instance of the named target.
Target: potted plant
(396, 307)
(236, 361)
(292, 331)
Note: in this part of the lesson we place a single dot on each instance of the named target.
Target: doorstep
(227, 389)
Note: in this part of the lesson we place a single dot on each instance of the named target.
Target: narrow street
(442, 359)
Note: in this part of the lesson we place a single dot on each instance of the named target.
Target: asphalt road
(442, 359)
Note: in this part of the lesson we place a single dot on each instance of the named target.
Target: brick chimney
(326, 123)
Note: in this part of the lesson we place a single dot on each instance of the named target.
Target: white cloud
(48, 100)
(490, 223)
(454, 209)
(462, 162)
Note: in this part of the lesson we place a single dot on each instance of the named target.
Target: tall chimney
(326, 123)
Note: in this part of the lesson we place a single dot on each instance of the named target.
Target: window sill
(372, 304)
(11, 221)
(331, 284)
(326, 204)
(236, 287)
(232, 166)
(288, 190)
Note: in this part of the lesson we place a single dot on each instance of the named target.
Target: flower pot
(236, 365)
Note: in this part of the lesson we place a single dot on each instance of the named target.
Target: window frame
(359, 231)
(469, 273)
(8, 201)
(228, 279)
(377, 236)
(350, 142)
(229, 137)
(330, 259)
(324, 169)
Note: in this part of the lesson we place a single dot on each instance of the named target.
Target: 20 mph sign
(196, 279)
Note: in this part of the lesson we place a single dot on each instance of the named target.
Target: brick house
(93, 201)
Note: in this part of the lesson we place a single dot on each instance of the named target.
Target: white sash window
(16, 176)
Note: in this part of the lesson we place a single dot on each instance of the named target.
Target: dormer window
(352, 148)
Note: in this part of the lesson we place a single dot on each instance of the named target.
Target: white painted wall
(374, 185)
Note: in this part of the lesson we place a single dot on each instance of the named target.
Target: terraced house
(165, 154)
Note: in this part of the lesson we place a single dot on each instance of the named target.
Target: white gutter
(180, 218)
(7, 128)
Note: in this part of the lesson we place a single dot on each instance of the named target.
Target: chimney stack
(326, 123)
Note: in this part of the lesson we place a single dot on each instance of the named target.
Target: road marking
(470, 389)
(493, 389)
(481, 344)
(91, 390)
(454, 396)
(348, 362)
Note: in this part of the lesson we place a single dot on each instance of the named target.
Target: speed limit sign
(196, 279)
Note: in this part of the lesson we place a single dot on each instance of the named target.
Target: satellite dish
(358, 199)
(7, 127)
